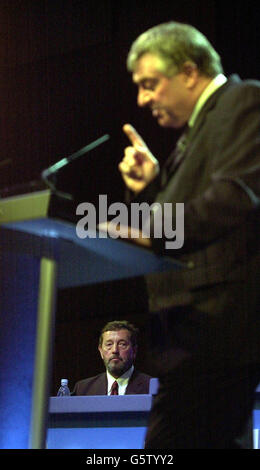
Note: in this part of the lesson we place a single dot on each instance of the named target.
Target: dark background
(63, 83)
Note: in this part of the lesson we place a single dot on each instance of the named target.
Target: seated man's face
(117, 351)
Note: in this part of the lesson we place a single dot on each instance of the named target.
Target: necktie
(176, 156)
(114, 388)
(181, 144)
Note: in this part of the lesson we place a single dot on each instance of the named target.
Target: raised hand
(138, 167)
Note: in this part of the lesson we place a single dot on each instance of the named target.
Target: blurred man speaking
(205, 323)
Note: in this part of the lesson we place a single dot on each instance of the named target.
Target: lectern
(39, 253)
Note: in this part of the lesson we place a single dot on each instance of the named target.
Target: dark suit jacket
(214, 307)
(138, 384)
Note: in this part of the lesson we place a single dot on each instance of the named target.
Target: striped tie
(114, 388)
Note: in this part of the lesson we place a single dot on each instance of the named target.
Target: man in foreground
(205, 322)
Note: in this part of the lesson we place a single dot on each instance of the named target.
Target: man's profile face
(117, 351)
(168, 98)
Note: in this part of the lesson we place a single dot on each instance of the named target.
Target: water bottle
(64, 390)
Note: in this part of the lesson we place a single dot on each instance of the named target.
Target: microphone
(53, 169)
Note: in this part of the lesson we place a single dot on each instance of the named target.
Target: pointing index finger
(133, 136)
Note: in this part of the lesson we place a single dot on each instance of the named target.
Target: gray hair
(176, 43)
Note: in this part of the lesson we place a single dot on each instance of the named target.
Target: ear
(190, 73)
(100, 351)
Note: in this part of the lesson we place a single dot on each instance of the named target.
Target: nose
(143, 97)
(115, 348)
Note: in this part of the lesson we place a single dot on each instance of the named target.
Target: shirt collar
(216, 83)
(122, 380)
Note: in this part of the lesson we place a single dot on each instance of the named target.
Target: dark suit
(138, 384)
(205, 321)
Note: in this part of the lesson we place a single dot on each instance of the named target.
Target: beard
(117, 368)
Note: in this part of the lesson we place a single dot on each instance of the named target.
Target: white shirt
(216, 83)
(122, 381)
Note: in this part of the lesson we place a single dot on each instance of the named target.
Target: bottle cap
(64, 381)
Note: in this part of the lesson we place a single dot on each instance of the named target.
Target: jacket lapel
(135, 385)
(185, 141)
(101, 385)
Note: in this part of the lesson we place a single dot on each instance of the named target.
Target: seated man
(118, 348)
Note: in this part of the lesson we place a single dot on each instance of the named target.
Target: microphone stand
(53, 169)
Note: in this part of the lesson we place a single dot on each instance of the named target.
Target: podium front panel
(19, 300)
